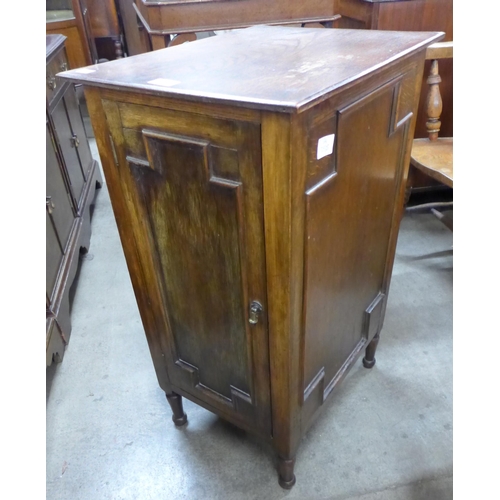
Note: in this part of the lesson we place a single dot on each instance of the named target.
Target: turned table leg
(369, 359)
(179, 417)
(286, 476)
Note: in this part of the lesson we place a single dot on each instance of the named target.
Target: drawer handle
(50, 204)
(255, 310)
(51, 82)
(75, 141)
(64, 66)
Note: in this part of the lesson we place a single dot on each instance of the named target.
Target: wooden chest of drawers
(257, 179)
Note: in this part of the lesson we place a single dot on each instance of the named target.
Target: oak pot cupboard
(258, 196)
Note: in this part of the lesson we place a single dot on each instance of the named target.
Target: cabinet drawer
(53, 84)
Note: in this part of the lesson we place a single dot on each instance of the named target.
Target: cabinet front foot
(179, 418)
(369, 359)
(286, 477)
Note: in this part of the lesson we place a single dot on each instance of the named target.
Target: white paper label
(164, 82)
(84, 70)
(325, 146)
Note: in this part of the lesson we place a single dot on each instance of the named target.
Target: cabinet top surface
(52, 44)
(263, 67)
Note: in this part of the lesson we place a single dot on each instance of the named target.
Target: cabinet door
(78, 129)
(59, 216)
(68, 146)
(58, 201)
(195, 183)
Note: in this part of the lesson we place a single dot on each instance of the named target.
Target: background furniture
(414, 15)
(258, 228)
(404, 15)
(106, 29)
(71, 19)
(168, 23)
(433, 155)
(137, 39)
(72, 177)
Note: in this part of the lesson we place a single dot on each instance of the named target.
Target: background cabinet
(106, 28)
(72, 176)
(70, 18)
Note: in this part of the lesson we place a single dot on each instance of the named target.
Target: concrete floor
(385, 435)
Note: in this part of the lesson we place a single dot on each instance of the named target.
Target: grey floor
(385, 435)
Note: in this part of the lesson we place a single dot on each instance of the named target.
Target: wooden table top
(264, 67)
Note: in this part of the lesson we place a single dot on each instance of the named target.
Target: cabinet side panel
(349, 216)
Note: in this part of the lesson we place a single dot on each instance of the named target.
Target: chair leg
(444, 218)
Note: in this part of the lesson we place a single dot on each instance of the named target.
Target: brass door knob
(49, 204)
(255, 310)
(51, 82)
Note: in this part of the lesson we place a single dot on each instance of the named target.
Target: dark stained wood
(286, 477)
(106, 28)
(136, 37)
(72, 177)
(164, 19)
(222, 164)
(304, 73)
(258, 196)
(179, 418)
(369, 359)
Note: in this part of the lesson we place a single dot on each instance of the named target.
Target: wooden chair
(434, 155)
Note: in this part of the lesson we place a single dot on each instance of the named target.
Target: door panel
(78, 128)
(68, 149)
(61, 211)
(197, 185)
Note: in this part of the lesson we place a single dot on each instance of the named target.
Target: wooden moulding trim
(319, 378)
(345, 367)
(188, 106)
(191, 29)
(194, 375)
(230, 416)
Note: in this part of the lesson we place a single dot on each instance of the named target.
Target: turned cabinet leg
(286, 477)
(175, 401)
(369, 359)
